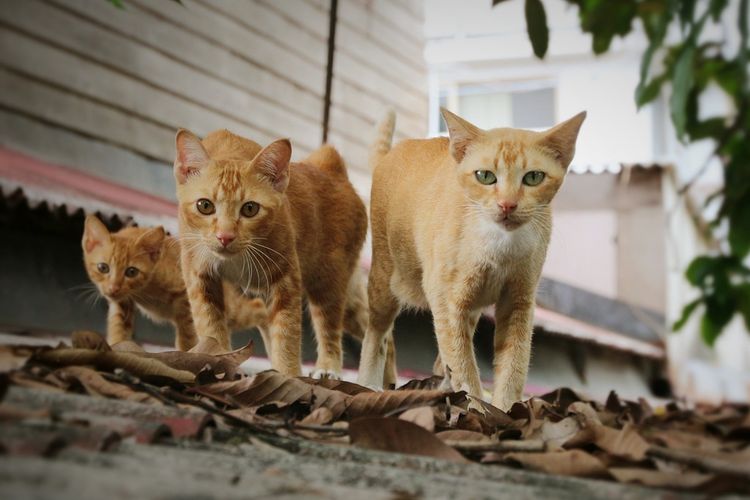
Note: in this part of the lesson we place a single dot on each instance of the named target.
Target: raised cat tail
(382, 143)
(327, 158)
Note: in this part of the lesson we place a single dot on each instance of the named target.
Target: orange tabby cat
(139, 267)
(459, 225)
(279, 229)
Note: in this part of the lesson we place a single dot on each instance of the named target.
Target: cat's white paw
(320, 374)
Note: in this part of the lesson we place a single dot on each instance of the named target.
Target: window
(529, 105)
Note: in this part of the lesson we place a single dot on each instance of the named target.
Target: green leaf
(687, 10)
(644, 94)
(716, 7)
(713, 127)
(743, 302)
(536, 25)
(719, 311)
(495, 2)
(687, 311)
(699, 269)
(739, 228)
(682, 83)
(117, 3)
(709, 330)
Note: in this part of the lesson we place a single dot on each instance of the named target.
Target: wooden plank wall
(93, 87)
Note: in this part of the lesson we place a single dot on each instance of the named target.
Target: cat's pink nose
(508, 207)
(225, 238)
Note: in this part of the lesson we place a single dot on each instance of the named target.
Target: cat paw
(320, 374)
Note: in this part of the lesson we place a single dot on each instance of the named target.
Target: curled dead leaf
(86, 339)
(659, 479)
(97, 385)
(565, 463)
(392, 434)
(423, 416)
(151, 369)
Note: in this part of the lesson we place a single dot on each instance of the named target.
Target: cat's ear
(273, 163)
(95, 233)
(461, 132)
(190, 156)
(151, 242)
(560, 140)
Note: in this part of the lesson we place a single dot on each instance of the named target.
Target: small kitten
(282, 230)
(460, 224)
(139, 267)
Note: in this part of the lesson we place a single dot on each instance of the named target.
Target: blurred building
(623, 228)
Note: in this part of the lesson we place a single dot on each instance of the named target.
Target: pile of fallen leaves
(705, 449)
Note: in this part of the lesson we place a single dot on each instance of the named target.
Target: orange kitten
(459, 225)
(281, 230)
(139, 267)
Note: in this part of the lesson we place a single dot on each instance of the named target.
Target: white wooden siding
(97, 88)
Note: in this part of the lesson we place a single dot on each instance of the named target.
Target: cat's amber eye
(533, 178)
(249, 209)
(131, 272)
(485, 177)
(205, 206)
(102, 267)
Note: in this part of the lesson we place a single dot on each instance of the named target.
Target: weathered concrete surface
(247, 467)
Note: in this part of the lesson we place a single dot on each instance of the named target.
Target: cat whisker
(272, 250)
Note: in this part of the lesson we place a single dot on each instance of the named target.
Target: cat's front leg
(454, 329)
(513, 329)
(285, 324)
(120, 317)
(206, 295)
(185, 337)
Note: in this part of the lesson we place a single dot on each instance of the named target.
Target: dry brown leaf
(566, 463)
(273, 387)
(462, 435)
(423, 416)
(625, 443)
(392, 434)
(13, 357)
(97, 385)
(686, 440)
(349, 388)
(127, 346)
(380, 403)
(225, 366)
(493, 417)
(659, 479)
(555, 434)
(133, 363)
(24, 379)
(587, 415)
(86, 339)
(319, 416)
(561, 398)
(430, 383)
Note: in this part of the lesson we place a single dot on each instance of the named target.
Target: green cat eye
(485, 177)
(102, 267)
(205, 206)
(249, 209)
(131, 272)
(533, 178)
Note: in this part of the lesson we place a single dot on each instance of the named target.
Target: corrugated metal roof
(62, 190)
(611, 167)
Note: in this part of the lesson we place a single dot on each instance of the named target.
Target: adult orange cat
(458, 225)
(282, 230)
(140, 268)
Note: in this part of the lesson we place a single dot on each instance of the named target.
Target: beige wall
(101, 89)
(608, 237)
